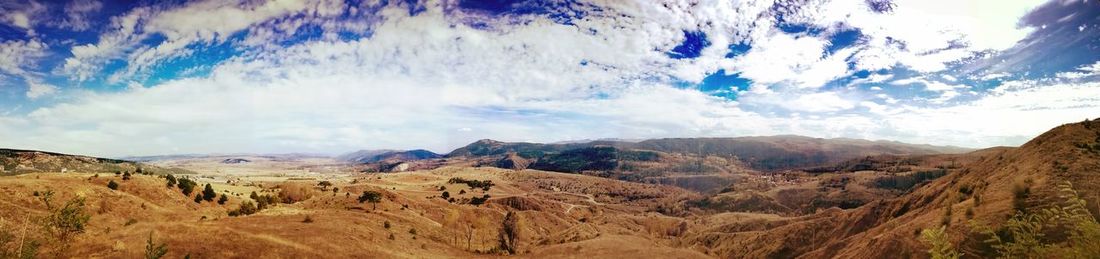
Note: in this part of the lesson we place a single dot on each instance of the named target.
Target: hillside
(374, 156)
(14, 161)
(987, 187)
(760, 153)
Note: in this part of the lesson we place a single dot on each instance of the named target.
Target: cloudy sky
(112, 78)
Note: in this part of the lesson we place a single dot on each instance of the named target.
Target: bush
(308, 219)
(186, 186)
(246, 208)
(153, 250)
(113, 185)
(223, 199)
(445, 195)
(386, 224)
(66, 222)
(126, 176)
(171, 180)
(1066, 230)
(940, 246)
(479, 200)
(295, 192)
(473, 184)
(208, 193)
(198, 198)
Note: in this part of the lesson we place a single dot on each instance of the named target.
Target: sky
(121, 78)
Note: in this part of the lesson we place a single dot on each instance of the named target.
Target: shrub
(113, 185)
(479, 200)
(1066, 230)
(1020, 192)
(66, 222)
(445, 195)
(472, 183)
(940, 246)
(171, 180)
(294, 192)
(208, 193)
(246, 208)
(186, 186)
(153, 250)
(308, 219)
(386, 224)
(198, 198)
(126, 176)
(412, 231)
(223, 199)
(324, 185)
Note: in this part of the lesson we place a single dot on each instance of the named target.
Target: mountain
(372, 156)
(760, 153)
(980, 188)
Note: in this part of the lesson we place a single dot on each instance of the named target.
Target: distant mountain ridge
(762, 153)
(373, 156)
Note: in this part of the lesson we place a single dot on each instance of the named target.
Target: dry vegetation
(987, 203)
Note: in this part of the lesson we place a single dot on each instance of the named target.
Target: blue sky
(114, 78)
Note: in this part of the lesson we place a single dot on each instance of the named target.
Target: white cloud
(39, 89)
(1082, 71)
(783, 58)
(196, 22)
(430, 81)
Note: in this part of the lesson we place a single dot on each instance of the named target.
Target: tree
(153, 250)
(223, 199)
(66, 222)
(324, 185)
(126, 176)
(446, 195)
(171, 181)
(198, 198)
(208, 193)
(373, 197)
(113, 185)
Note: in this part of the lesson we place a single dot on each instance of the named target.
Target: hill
(13, 161)
(374, 156)
(985, 188)
(761, 153)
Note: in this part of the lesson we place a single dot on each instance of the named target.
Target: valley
(771, 197)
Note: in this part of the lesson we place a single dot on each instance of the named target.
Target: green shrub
(1066, 230)
(153, 250)
(223, 199)
(171, 180)
(208, 193)
(113, 185)
(186, 186)
(940, 246)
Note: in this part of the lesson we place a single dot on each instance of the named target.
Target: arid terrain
(774, 197)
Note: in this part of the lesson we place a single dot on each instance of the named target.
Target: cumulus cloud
(441, 76)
